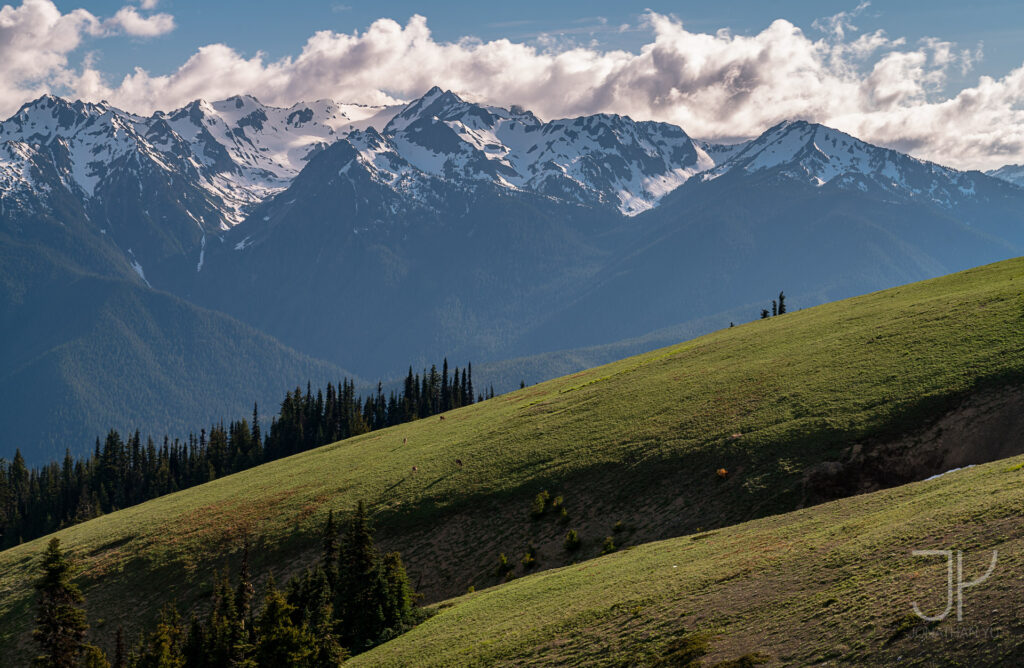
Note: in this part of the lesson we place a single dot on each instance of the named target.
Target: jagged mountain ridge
(819, 155)
(602, 159)
(237, 150)
(219, 161)
(1010, 173)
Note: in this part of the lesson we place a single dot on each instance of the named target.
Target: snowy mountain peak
(1010, 173)
(236, 151)
(818, 155)
(604, 159)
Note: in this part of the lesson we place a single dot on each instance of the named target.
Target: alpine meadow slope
(813, 405)
(835, 583)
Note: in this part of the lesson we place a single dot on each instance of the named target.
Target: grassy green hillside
(818, 403)
(833, 583)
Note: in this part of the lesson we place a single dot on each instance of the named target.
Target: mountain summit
(600, 160)
(819, 155)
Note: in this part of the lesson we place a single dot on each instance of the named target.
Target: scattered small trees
(778, 306)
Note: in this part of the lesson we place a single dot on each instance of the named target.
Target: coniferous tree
(195, 649)
(331, 551)
(163, 648)
(281, 642)
(93, 657)
(120, 650)
(445, 397)
(223, 632)
(398, 592)
(775, 308)
(358, 598)
(60, 622)
(256, 436)
(764, 313)
(243, 606)
(782, 303)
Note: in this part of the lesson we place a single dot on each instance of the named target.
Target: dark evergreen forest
(122, 472)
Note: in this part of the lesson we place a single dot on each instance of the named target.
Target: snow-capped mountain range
(238, 152)
(161, 183)
(602, 159)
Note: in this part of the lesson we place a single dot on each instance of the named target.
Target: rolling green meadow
(758, 562)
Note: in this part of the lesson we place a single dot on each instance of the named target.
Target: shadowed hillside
(800, 408)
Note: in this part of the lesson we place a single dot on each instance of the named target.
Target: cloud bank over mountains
(720, 86)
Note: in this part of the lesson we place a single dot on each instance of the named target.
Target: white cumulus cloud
(36, 40)
(132, 22)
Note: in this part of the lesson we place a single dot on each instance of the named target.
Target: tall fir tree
(281, 642)
(163, 648)
(60, 623)
(358, 601)
(120, 650)
(331, 551)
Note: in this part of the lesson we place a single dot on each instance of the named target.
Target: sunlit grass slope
(636, 441)
(834, 583)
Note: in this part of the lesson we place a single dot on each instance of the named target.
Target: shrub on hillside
(530, 558)
(503, 566)
(572, 541)
(540, 504)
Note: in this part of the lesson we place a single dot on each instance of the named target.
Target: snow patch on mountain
(202, 254)
(136, 266)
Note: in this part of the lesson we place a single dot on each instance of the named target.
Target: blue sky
(941, 80)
